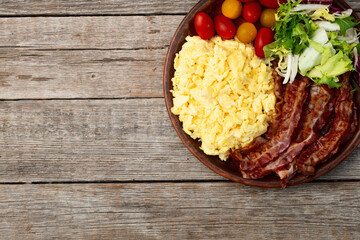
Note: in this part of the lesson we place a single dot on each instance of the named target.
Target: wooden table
(88, 151)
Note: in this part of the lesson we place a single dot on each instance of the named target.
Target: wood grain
(83, 57)
(87, 57)
(98, 140)
(28, 73)
(118, 7)
(109, 32)
(179, 211)
(116, 49)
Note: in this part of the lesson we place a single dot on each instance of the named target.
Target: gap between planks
(60, 8)
(77, 99)
(316, 181)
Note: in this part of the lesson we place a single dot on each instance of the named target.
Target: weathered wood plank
(130, 63)
(112, 140)
(83, 7)
(111, 32)
(39, 74)
(92, 141)
(179, 211)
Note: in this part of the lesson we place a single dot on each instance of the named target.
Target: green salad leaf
(330, 68)
(292, 31)
(341, 45)
(331, 82)
(346, 23)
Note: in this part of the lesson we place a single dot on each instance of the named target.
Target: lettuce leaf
(341, 45)
(331, 82)
(322, 14)
(346, 23)
(311, 56)
(328, 71)
(292, 31)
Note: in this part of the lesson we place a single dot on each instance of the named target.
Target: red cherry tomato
(271, 3)
(265, 36)
(246, 0)
(251, 11)
(204, 25)
(225, 27)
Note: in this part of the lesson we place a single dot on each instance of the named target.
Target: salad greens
(292, 31)
(346, 23)
(315, 41)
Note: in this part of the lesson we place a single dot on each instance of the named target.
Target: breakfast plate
(228, 169)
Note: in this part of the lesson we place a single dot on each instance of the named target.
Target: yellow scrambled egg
(223, 93)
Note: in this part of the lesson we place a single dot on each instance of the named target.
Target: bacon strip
(295, 96)
(256, 144)
(327, 145)
(321, 105)
(287, 173)
(279, 94)
(320, 98)
(353, 126)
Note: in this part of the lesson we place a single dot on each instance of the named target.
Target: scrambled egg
(223, 93)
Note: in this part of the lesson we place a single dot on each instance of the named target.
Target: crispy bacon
(327, 145)
(321, 106)
(295, 96)
(256, 144)
(328, 125)
(279, 94)
(320, 97)
(353, 126)
(329, 109)
(287, 173)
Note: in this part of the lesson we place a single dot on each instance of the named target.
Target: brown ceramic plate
(214, 163)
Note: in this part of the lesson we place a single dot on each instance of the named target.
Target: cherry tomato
(225, 27)
(204, 25)
(252, 11)
(231, 9)
(246, 32)
(267, 18)
(264, 37)
(271, 3)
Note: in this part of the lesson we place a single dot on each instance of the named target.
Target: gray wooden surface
(87, 150)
